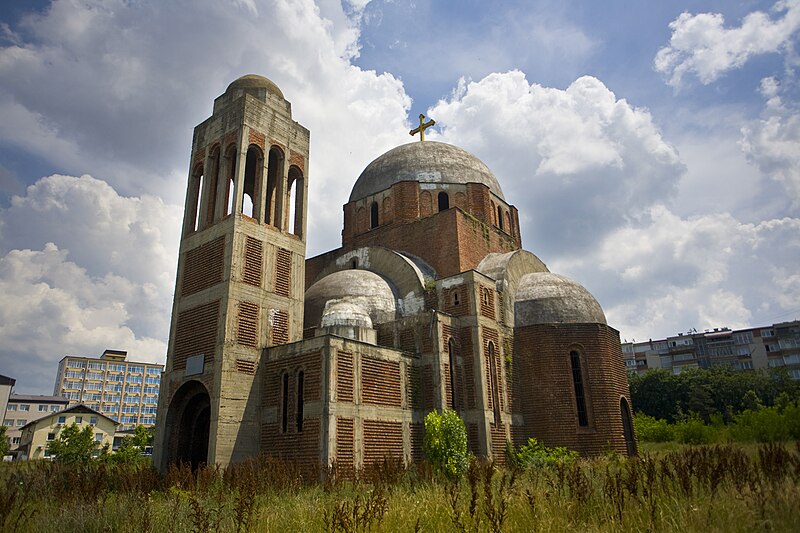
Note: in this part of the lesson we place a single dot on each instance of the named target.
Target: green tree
(132, 446)
(445, 443)
(73, 445)
(3, 441)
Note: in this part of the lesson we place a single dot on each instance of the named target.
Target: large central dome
(425, 162)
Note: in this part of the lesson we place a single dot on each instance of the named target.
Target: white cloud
(701, 45)
(672, 273)
(115, 88)
(772, 142)
(83, 269)
(577, 162)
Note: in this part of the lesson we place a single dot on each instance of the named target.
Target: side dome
(345, 290)
(252, 83)
(425, 162)
(547, 298)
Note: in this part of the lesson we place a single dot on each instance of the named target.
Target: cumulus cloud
(702, 45)
(772, 142)
(703, 271)
(578, 161)
(116, 86)
(83, 269)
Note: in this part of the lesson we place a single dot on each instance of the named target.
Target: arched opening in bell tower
(251, 176)
(296, 189)
(194, 200)
(188, 423)
(274, 175)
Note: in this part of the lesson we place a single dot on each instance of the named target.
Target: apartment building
(777, 345)
(22, 409)
(126, 391)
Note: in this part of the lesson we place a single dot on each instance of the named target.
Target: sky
(651, 148)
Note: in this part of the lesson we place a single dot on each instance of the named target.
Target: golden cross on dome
(422, 127)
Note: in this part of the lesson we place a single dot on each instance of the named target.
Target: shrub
(762, 425)
(445, 443)
(534, 454)
(650, 429)
(693, 431)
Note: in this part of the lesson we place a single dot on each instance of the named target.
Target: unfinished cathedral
(429, 303)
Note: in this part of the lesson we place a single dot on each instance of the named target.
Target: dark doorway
(627, 427)
(188, 425)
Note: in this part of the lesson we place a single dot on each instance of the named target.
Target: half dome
(425, 162)
(547, 298)
(360, 290)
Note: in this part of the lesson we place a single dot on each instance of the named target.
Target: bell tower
(240, 279)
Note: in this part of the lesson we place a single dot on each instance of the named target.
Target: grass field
(668, 488)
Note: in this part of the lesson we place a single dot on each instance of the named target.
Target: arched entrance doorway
(627, 427)
(188, 423)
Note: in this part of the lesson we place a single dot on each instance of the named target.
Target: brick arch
(461, 201)
(361, 220)
(388, 210)
(425, 204)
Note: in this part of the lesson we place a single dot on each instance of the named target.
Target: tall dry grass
(712, 488)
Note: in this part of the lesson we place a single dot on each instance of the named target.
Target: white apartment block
(754, 348)
(126, 391)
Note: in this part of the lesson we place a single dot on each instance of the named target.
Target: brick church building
(429, 303)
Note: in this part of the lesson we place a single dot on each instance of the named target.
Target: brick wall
(450, 241)
(195, 333)
(292, 445)
(380, 382)
(383, 439)
(253, 256)
(203, 266)
(247, 324)
(549, 412)
(345, 446)
(344, 377)
(283, 272)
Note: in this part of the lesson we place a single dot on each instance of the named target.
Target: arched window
(485, 295)
(274, 175)
(444, 201)
(296, 190)
(493, 381)
(627, 427)
(285, 402)
(230, 155)
(451, 351)
(577, 382)
(499, 217)
(251, 175)
(300, 384)
(456, 298)
(373, 215)
(354, 263)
